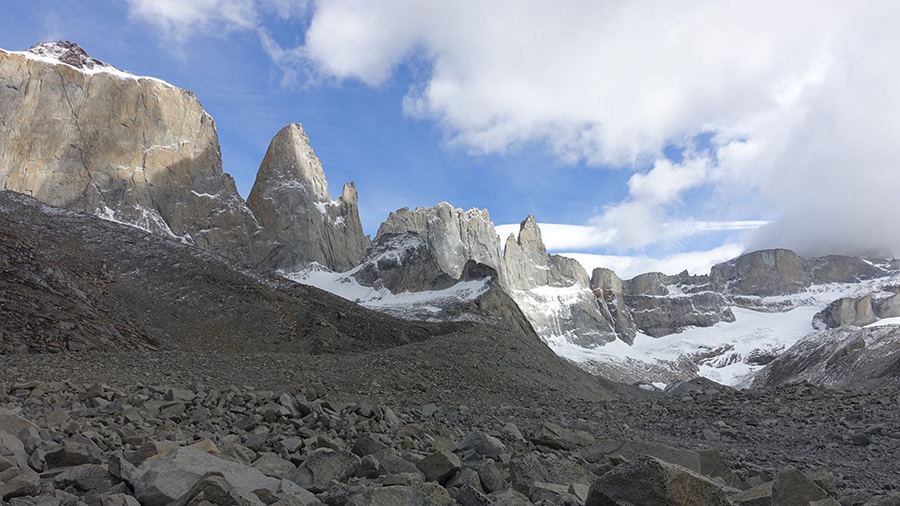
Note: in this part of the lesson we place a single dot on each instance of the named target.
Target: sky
(642, 135)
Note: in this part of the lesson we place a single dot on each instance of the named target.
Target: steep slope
(154, 290)
(839, 358)
(78, 133)
(290, 198)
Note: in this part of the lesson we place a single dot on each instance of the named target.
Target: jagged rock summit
(553, 291)
(302, 223)
(78, 133)
(453, 235)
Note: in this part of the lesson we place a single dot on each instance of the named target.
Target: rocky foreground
(141, 442)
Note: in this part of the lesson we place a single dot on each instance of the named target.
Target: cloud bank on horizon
(786, 112)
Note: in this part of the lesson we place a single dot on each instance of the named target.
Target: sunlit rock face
(553, 292)
(302, 224)
(80, 134)
(454, 236)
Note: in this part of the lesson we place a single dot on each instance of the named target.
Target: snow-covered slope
(728, 353)
(428, 305)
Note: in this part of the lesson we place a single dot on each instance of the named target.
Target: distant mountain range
(81, 135)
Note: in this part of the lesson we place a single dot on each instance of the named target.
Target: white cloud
(179, 19)
(559, 237)
(627, 267)
(800, 98)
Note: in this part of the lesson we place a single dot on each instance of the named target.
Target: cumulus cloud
(799, 97)
(797, 102)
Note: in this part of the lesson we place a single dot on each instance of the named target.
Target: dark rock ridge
(74, 282)
(301, 223)
(840, 358)
(80, 134)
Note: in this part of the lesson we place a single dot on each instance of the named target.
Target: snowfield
(728, 353)
(425, 305)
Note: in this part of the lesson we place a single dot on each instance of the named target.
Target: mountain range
(79, 134)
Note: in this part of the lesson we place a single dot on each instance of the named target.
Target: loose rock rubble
(64, 444)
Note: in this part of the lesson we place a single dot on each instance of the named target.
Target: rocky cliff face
(302, 223)
(401, 263)
(554, 292)
(454, 236)
(783, 272)
(78, 133)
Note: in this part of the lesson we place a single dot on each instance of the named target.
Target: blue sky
(652, 130)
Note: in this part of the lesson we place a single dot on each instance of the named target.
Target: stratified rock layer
(302, 224)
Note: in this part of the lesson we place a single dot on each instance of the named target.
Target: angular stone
(482, 444)
(118, 500)
(273, 465)
(530, 469)
(169, 477)
(792, 488)
(439, 466)
(16, 425)
(491, 479)
(19, 483)
(420, 494)
(13, 449)
(560, 438)
(322, 466)
(367, 446)
(87, 478)
(469, 496)
(651, 482)
(73, 453)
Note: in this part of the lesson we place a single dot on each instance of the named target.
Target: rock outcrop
(860, 311)
(782, 272)
(663, 305)
(454, 236)
(401, 263)
(553, 291)
(79, 134)
(840, 358)
(290, 198)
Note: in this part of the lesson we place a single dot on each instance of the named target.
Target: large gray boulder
(80, 134)
(291, 200)
(324, 465)
(651, 482)
(159, 482)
